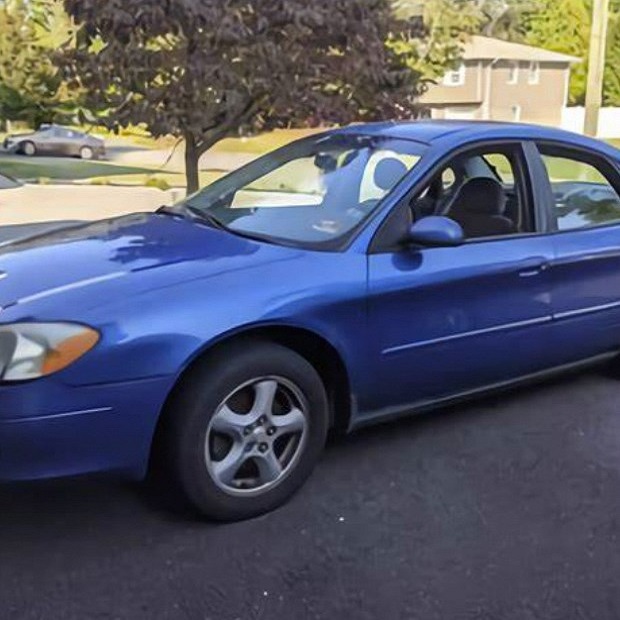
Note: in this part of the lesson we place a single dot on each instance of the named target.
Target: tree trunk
(192, 155)
(195, 148)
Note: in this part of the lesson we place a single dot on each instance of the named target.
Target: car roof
(46, 126)
(452, 133)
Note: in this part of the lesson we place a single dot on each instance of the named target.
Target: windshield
(311, 192)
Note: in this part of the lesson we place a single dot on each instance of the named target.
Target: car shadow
(474, 409)
(34, 511)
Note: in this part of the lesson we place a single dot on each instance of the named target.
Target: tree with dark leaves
(203, 70)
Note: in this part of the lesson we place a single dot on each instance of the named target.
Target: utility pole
(596, 67)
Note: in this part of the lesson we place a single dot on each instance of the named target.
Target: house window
(513, 73)
(534, 74)
(455, 77)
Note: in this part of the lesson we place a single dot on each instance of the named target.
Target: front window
(484, 191)
(312, 192)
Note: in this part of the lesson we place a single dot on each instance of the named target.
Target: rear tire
(245, 429)
(28, 148)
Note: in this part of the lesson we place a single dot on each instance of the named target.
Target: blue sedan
(345, 279)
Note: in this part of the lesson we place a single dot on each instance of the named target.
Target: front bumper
(49, 430)
(10, 146)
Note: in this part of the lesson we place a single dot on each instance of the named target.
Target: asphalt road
(504, 509)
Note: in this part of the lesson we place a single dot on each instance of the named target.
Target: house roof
(486, 48)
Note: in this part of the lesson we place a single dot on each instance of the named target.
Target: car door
(584, 206)
(57, 144)
(448, 321)
(44, 141)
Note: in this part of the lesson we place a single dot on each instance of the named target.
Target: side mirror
(436, 231)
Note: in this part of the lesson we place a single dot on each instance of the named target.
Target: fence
(609, 122)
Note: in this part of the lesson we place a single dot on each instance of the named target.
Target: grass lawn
(63, 168)
(95, 172)
(171, 179)
(263, 143)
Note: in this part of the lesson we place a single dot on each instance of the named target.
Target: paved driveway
(507, 509)
(16, 231)
(48, 203)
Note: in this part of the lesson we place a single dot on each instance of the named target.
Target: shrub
(158, 183)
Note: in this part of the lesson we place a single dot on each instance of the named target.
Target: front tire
(28, 148)
(245, 430)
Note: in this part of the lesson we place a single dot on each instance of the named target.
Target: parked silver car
(56, 140)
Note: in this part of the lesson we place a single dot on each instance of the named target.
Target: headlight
(33, 350)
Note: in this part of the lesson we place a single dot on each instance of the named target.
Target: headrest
(389, 172)
(482, 195)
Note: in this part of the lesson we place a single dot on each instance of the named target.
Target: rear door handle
(532, 267)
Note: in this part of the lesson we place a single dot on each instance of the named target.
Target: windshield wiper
(168, 210)
(198, 215)
(192, 213)
(204, 216)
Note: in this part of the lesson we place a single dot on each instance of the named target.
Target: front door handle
(532, 267)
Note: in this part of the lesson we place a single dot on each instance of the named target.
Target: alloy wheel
(256, 436)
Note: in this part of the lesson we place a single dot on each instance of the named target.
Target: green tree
(447, 24)
(611, 87)
(31, 87)
(505, 19)
(562, 27)
(202, 70)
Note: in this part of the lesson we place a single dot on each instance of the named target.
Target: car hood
(85, 255)
(19, 136)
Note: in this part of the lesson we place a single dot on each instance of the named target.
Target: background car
(56, 140)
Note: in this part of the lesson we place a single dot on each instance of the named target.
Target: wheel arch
(21, 145)
(316, 349)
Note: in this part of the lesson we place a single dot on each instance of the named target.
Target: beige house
(503, 81)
